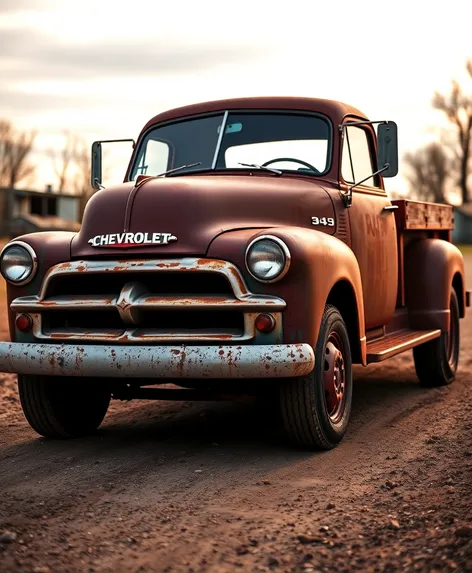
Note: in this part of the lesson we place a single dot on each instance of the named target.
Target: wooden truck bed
(418, 218)
(417, 215)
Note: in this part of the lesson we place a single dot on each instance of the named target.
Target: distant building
(23, 211)
(462, 234)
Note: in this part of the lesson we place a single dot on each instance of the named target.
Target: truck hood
(182, 215)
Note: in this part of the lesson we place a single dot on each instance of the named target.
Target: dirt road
(209, 487)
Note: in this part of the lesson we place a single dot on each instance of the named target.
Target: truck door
(373, 230)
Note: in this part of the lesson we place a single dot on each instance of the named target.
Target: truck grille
(146, 300)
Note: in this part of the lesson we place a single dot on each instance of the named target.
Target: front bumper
(160, 362)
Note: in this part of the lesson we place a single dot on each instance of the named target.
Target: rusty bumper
(251, 361)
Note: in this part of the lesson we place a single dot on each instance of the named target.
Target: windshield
(286, 141)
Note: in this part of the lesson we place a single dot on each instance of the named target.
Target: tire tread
(42, 415)
(298, 405)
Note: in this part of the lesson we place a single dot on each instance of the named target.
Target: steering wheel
(293, 160)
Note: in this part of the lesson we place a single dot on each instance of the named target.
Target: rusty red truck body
(250, 248)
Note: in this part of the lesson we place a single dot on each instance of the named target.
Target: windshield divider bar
(220, 139)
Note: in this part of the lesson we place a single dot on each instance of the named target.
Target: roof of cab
(333, 109)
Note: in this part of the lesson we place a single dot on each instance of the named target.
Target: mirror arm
(347, 197)
(118, 141)
(341, 126)
(98, 184)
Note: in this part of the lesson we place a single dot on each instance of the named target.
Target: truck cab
(251, 248)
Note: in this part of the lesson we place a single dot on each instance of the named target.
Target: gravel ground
(179, 487)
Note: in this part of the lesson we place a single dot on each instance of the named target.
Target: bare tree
(428, 172)
(15, 148)
(63, 160)
(458, 109)
(73, 169)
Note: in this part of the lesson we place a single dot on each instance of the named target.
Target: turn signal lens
(24, 322)
(265, 323)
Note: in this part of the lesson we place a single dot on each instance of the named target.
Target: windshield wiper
(276, 171)
(179, 168)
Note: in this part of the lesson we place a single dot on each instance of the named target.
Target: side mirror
(96, 170)
(387, 148)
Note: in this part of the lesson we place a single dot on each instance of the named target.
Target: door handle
(390, 208)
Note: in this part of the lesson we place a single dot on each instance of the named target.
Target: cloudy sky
(101, 69)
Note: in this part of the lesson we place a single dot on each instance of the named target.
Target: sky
(100, 69)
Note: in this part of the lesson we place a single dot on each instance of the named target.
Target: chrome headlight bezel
(34, 262)
(284, 250)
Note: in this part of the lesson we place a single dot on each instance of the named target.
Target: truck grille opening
(161, 301)
(178, 283)
(190, 322)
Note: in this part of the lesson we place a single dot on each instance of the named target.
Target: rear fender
(319, 263)
(432, 268)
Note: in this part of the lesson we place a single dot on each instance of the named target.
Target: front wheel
(436, 361)
(58, 407)
(315, 408)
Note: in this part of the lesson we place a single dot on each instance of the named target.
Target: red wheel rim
(334, 377)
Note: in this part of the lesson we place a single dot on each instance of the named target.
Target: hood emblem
(126, 240)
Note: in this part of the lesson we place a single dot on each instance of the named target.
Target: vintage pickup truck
(251, 246)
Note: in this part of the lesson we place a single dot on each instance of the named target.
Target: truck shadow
(244, 434)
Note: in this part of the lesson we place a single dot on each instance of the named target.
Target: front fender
(51, 248)
(319, 262)
(432, 268)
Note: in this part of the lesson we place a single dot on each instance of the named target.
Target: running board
(396, 342)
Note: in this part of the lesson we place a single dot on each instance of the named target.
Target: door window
(356, 161)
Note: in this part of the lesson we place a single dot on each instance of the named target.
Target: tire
(63, 407)
(436, 361)
(313, 415)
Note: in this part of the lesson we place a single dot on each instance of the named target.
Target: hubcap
(334, 377)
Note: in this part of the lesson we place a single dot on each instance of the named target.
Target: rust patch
(181, 363)
(237, 277)
(59, 335)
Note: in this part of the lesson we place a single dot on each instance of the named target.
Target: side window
(356, 163)
(154, 158)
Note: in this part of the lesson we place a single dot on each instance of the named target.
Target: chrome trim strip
(220, 139)
(158, 362)
(149, 302)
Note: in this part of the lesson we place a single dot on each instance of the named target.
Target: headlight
(267, 258)
(18, 263)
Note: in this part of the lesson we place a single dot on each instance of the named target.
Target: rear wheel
(436, 361)
(315, 408)
(63, 407)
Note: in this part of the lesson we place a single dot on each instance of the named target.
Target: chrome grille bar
(151, 302)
